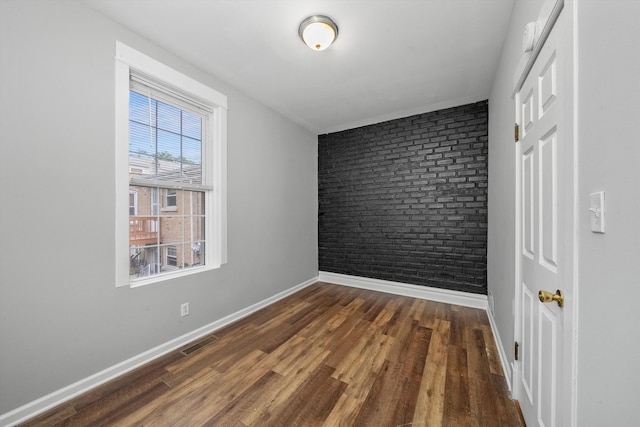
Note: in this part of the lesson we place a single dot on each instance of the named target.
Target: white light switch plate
(596, 209)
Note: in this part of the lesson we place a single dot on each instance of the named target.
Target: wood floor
(326, 356)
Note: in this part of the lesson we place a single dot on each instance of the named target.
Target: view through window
(166, 175)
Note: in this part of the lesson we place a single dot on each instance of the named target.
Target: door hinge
(516, 350)
(516, 133)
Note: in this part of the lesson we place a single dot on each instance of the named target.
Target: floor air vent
(187, 351)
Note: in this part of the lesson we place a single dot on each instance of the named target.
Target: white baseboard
(54, 399)
(501, 352)
(424, 292)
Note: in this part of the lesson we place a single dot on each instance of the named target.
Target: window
(133, 203)
(170, 199)
(172, 256)
(154, 201)
(171, 135)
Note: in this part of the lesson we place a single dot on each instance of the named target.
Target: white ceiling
(392, 58)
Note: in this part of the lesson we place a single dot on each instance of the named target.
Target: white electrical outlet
(184, 309)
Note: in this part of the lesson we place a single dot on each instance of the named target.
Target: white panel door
(543, 198)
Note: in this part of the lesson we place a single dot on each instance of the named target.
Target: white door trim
(548, 16)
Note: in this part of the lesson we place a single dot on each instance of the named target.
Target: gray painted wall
(61, 317)
(608, 66)
(609, 158)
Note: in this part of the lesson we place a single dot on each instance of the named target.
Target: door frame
(547, 18)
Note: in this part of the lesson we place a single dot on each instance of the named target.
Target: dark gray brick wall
(406, 200)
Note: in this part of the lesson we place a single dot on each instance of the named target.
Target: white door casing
(544, 166)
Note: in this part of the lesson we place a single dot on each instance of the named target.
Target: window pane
(138, 108)
(168, 171)
(194, 231)
(142, 166)
(169, 118)
(142, 139)
(144, 230)
(191, 125)
(169, 146)
(191, 150)
(191, 255)
(192, 174)
(172, 229)
(144, 261)
(196, 202)
(142, 199)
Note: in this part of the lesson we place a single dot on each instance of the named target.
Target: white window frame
(129, 60)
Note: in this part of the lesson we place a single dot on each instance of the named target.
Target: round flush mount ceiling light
(318, 31)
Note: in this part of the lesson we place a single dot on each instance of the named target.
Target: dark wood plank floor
(327, 355)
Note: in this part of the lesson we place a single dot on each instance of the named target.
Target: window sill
(169, 209)
(136, 283)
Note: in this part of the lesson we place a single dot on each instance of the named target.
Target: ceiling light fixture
(318, 31)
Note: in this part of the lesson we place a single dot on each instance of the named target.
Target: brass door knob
(558, 297)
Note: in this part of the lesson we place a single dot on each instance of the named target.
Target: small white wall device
(529, 37)
(596, 207)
